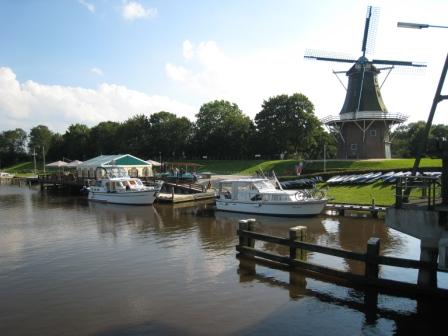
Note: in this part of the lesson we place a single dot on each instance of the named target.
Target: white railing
(366, 115)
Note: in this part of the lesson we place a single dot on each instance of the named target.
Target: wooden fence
(371, 259)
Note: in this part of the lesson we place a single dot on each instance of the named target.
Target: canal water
(70, 267)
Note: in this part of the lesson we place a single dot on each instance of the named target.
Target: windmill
(363, 125)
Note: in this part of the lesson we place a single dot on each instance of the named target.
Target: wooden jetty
(69, 182)
(296, 260)
(178, 192)
(341, 209)
(179, 198)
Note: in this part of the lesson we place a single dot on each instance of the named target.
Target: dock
(341, 209)
(179, 198)
(179, 192)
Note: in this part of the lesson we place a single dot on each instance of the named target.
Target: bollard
(373, 251)
(246, 225)
(297, 233)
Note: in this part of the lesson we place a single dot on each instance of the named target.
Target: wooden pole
(246, 225)
(297, 233)
(373, 251)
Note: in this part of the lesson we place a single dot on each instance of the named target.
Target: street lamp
(437, 98)
(413, 25)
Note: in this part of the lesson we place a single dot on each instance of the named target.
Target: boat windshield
(116, 172)
(260, 185)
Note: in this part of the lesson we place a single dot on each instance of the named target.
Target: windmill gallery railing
(296, 260)
(365, 115)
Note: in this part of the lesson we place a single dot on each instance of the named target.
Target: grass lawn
(22, 169)
(286, 167)
(383, 194)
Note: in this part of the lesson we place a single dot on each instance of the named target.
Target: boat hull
(146, 197)
(287, 209)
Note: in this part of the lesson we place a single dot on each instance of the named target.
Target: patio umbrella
(154, 163)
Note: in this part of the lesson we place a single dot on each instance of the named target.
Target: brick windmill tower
(363, 126)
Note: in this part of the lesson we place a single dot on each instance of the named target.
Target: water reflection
(382, 313)
(72, 267)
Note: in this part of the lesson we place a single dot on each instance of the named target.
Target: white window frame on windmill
(372, 132)
(353, 147)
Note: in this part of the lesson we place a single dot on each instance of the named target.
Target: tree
(406, 138)
(133, 136)
(169, 135)
(221, 130)
(287, 124)
(76, 142)
(56, 148)
(12, 146)
(39, 138)
(103, 138)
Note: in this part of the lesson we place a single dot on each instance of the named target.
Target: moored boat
(116, 186)
(261, 196)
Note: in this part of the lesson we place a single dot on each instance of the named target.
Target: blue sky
(69, 61)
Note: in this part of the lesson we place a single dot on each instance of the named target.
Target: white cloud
(133, 10)
(249, 79)
(178, 73)
(90, 7)
(29, 104)
(188, 49)
(97, 71)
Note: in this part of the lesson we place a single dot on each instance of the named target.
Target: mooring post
(429, 252)
(246, 269)
(246, 225)
(371, 305)
(297, 285)
(399, 193)
(373, 251)
(297, 233)
(374, 211)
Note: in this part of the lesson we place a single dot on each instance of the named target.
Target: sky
(85, 61)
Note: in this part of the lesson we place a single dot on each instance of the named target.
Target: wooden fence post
(297, 233)
(246, 225)
(373, 251)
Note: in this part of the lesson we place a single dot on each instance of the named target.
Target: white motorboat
(116, 186)
(261, 196)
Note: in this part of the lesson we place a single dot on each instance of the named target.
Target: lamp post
(325, 158)
(43, 157)
(437, 98)
(34, 155)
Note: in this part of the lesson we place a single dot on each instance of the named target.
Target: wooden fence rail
(371, 259)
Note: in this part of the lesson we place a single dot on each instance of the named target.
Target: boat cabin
(115, 179)
(252, 190)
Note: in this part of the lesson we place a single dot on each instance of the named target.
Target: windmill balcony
(366, 115)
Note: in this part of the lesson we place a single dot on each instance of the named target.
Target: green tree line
(286, 127)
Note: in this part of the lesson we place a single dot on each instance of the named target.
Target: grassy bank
(281, 167)
(286, 167)
(380, 193)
